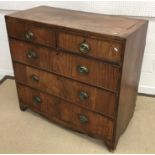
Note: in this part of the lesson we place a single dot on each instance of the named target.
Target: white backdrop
(144, 9)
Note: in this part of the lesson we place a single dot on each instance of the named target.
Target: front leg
(23, 107)
(110, 145)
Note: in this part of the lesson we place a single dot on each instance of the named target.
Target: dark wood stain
(55, 107)
(67, 64)
(101, 49)
(114, 26)
(131, 70)
(99, 100)
(48, 80)
(44, 36)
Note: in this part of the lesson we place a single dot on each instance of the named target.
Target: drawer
(96, 48)
(86, 96)
(79, 68)
(30, 54)
(30, 32)
(82, 119)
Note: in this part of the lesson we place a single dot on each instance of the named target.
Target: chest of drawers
(80, 70)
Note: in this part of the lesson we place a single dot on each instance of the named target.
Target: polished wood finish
(130, 78)
(110, 26)
(42, 35)
(99, 48)
(80, 70)
(100, 74)
(52, 106)
(99, 100)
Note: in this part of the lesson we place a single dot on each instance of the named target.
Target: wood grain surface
(99, 100)
(100, 74)
(115, 26)
(55, 107)
(93, 92)
(99, 48)
(42, 35)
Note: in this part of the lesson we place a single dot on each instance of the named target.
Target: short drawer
(90, 71)
(30, 32)
(82, 119)
(97, 48)
(86, 96)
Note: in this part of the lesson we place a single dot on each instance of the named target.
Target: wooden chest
(80, 70)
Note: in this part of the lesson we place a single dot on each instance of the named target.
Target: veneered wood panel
(51, 106)
(110, 86)
(41, 35)
(100, 74)
(114, 26)
(21, 49)
(99, 48)
(98, 100)
(131, 70)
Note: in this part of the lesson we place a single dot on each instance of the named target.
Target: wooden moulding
(6, 77)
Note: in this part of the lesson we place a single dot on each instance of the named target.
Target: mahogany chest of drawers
(80, 70)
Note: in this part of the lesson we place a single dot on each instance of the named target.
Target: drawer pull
(83, 69)
(31, 55)
(37, 100)
(83, 95)
(29, 35)
(83, 119)
(35, 78)
(84, 48)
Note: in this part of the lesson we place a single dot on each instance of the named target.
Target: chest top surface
(89, 22)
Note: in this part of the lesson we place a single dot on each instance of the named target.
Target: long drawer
(89, 97)
(50, 106)
(79, 68)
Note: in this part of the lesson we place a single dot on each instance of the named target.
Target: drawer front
(79, 68)
(86, 96)
(100, 49)
(87, 121)
(30, 54)
(31, 33)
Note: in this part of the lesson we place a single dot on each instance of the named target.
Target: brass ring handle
(35, 78)
(83, 119)
(83, 95)
(82, 69)
(37, 100)
(29, 35)
(31, 55)
(84, 48)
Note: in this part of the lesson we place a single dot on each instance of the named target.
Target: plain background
(140, 9)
